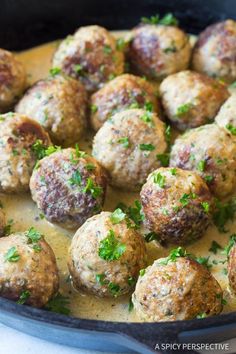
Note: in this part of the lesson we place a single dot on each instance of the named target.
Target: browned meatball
(90, 55)
(28, 269)
(176, 204)
(176, 290)
(68, 186)
(191, 99)
(232, 268)
(106, 255)
(157, 51)
(215, 51)
(126, 91)
(12, 80)
(210, 151)
(59, 104)
(18, 134)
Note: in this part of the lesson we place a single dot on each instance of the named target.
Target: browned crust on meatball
(232, 269)
(62, 200)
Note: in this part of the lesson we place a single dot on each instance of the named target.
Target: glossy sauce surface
(25, 214)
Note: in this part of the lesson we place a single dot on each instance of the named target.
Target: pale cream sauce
(25, 214)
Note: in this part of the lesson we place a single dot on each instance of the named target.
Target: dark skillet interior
(26, 23)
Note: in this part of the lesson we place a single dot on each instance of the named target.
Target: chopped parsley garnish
(164, 159)
(124, 142)
(147, 118)
(168, 134)
(173, 171)
(206, 206)
(93, 108)
(201, 165)
(110, 249)
(131, 281)
(146, 147)
(231, 128)
(54, 71)
(204, 261)
(100, 279)
(78, 68)
(114, 289)
(78, 154)
(91, 187)
(107, 49)
(148, 106)
(159, 179)
(151, 236)
(120, 44)
(59, 304)
(12, 255)
(76, 178)
(231, 243)
(117, 216)
(208, 178)
(142, 272)
(33, 235)
(186, 197)
(40, 150)
(131, 305)
(224, 212)
(134, 213)
(201, 315)
(183, 109)
(23, 297)
(167, 20)
(90, 167)
(174, 254)
(215, 246)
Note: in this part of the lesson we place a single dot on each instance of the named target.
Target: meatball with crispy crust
(90, 55)
(68, 187)
(106, 255)
(179, 289)
(2, 222)
(232, 266)
(211, 152)
(177, 205)
(191, 99)
(18, 134)
(127, 145)
(215, 51)
(126, 91)
(226, 117)
(12, 80)
(59, 104)
(28, 269)
(157, 51)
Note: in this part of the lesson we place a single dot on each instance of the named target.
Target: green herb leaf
(33, 235)
(174, 254)
(41, 151)
(224, 212)
(167, 20)
(164, 159)
(76, 178)
(231, 243)
(114, 289)
(173, 171)
(120, 44)
(110, 249)
(214, 247)
(147, 118)
(59, 304)
(131, 305)
(54, 71)
(117, 216)
(133, 213)
(183, 109)
(159, 179)
(201, 315)
(107, 49)
(201, 165)
(146, 147)
(23, 297)
(12, 255)
(100, 279)
(124, 141)
(231, 128)
(206, 206)
(93, 108)
(204, 261)
(8, 227)
(142, 272)
(91, 187)
(184, 200)
(151, 236)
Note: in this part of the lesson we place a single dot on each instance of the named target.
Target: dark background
(24, 23)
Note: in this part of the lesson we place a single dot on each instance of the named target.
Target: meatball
(176, 290)
(12, 80)
(18, 134)
(127, 145)
(176, 204)
(232, 268)
(215, 51)
(2, 222)
(28, 269)
(211, 152)
(90, 55)
(68, 186)
(126, 91)
(106, 255)
(226, 117)
(191, 99)
(59, 104)
(157, 51)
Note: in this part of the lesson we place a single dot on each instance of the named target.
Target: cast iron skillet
(26, 23)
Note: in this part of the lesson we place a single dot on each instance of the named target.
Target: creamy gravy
(25, 214)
